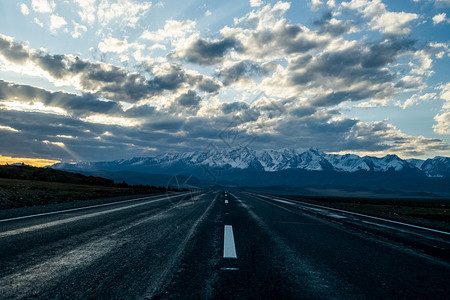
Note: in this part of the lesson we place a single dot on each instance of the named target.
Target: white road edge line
(229, 249)
(358, 214)
(78, 208)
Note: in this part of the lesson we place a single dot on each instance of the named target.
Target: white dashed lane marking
(229, 249)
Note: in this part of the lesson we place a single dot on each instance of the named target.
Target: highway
(219, 245)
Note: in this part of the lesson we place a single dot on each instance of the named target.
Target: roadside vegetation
(433, 213)
(22, 186)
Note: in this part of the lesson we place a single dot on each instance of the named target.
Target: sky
(96, 80)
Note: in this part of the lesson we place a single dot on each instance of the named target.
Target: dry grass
(433, 213)
(19, 193)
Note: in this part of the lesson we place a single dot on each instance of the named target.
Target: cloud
(255, 3)
(43, 6)
(111, 44)
(187, 103)
(78, 30)
(124, 12)
(75, 105)
(105, 80)
(356, 72)
(205, 52)
(88, 9)
(443, 123)
(384, 137)
(24, 9)
(329, 25)
(417, 98)
(439, 18)
(38, 22)
(7, 128)
(387, 22)
(238, 71)
(14, 52)
(265, 34)
(445, 95)
(56, 22)
(442, 3)
(107, 135)
(172, 30)
(410, 83)
(309, 74)
(315, 4)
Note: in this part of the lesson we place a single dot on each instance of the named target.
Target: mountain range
(287, 168)
(244, 158)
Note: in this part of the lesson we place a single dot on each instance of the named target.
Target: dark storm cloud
(108, 81)
(336, 28)
(335, 98)
(234, 107)
(15, 52)
(208, 85)
(204, 52)
(189, 99)
(34, 128)
(78, 105)
(381, 54)
(53, 64)
(364, 65)
(282, 38)
(238, 71)
(301, 112)
(186, 103)
(165, 132)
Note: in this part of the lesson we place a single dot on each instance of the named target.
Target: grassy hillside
(51, 175)
(30, 186)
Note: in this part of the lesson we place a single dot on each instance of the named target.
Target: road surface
(218, 244)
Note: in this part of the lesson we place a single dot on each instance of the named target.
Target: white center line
(226, 201)
(229, 250)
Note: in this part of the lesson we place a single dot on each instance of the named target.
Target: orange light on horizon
(35, 162)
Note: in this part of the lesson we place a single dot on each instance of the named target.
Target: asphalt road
(219, 245)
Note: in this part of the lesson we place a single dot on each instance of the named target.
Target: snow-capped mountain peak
(245, 158)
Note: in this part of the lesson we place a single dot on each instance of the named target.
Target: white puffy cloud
(24, 9)
(38, 22)
(442, 125)
(439, 18)
(417, 98)
(311, 72)
(43, 6)
(255, 3)
(442, 3)
(78, 30)
(423, 64)
(88, 9)
(172, 30)
(380, 18)
(111, 44)
(125, 12)
(56, 22)
(445, 95)
(315, 4)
